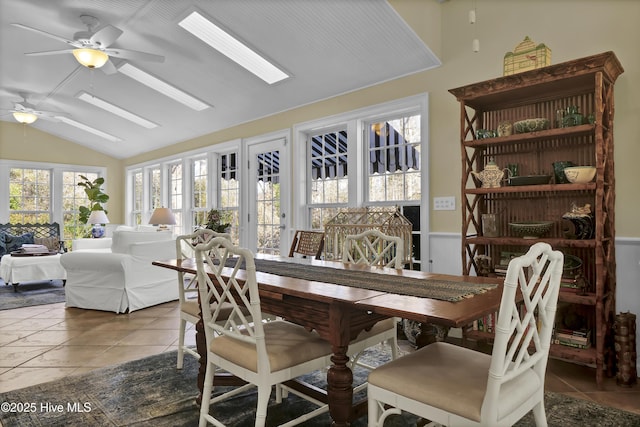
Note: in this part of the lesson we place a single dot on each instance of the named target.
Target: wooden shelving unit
(588, 84)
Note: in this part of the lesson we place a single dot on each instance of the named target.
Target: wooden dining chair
(307, 244)
(187, 287)
(263, 354)
(453, 385)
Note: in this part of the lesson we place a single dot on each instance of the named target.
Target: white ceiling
(328, 47)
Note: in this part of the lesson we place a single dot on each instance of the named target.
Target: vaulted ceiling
(326, 47)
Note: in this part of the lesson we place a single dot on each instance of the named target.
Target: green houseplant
(95, 195)
(218, 221)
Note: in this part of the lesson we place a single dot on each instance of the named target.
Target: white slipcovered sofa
(115, 274)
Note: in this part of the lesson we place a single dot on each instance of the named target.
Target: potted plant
(218, 220)
(95, 195)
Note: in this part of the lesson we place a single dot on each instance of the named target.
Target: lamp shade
(98, 217)
(162, 216)
(26, 118)
(91, 58)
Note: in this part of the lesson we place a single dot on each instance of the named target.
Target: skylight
(114, 109)
(232, 48)
(88, 128)
(161, 86)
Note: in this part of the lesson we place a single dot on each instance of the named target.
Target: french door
(268, 190)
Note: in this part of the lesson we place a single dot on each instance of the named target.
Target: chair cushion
(287, 345)
(451, 378)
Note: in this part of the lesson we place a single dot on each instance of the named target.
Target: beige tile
(46, 338)
(30, 324)
(121, 354)
(23, 313)
(7, 337)
(12, 356)
(165, 323)
(68, 356)
(25, 377)
(150, 337)
(77, 323)
(99, 338)
(124, 323)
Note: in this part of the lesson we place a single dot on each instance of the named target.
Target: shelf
(519, 241)
(533, 188)
(532, 136)
(569, 295)
(581, 355)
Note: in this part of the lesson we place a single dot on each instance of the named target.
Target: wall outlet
(444, 203)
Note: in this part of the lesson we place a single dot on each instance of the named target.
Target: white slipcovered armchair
(121, 279)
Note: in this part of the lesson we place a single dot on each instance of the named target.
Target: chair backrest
(185, 249)
(307, 244)
(523, 331)
(373, 247)
(237, 285)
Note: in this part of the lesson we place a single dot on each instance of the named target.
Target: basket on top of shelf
(357, 220)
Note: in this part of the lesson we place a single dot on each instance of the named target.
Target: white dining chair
(263, 354)
(376, 249)
(187, 287)
(452, 385)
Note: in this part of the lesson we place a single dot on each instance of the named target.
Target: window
(368, 157)
(138, 191)
(328, 170)
(175, 194)
(200, 175)
(73, 196)
(155, 193)
(229, 190)
(394, 159)
(30, 195)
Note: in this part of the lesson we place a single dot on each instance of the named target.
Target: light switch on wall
(444, 203)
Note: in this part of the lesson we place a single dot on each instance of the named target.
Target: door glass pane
(268, 202)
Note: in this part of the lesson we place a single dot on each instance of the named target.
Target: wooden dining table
(339, 313)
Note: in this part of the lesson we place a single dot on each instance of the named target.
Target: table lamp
(97, 218)
(162, 217)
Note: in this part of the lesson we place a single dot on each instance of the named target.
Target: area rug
(30, 294)
(151, 392)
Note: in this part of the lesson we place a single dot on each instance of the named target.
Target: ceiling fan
(92, 48)
(26, 113)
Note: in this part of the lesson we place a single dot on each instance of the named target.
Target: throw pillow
(3, 245)
(15, 242)
(52, 243)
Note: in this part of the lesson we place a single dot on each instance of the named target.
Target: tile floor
(43, 343)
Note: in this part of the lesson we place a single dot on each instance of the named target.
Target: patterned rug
(151, 392)
(30, 294)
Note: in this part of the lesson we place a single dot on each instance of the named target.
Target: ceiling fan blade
(109, 68)
(106, 36)
(49, 52)
(44, 33)
(134, 55)
(48, 115)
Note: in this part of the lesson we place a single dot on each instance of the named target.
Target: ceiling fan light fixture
(91, 58)
(24, 117)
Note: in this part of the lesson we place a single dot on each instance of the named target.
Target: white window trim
(354, 121)
(56, 184)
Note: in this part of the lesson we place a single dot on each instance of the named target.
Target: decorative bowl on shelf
(580, 174)
(531, 125)
(530, 229)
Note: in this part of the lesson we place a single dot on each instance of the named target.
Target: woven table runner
(445, 290)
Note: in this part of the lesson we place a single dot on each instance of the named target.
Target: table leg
(201, 347)
(339, 375)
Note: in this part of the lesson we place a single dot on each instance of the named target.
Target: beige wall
(572, 29)
(20, 142)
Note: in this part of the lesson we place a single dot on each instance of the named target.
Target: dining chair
(453, 385)
(307, 244)
(187, 287)
(374, 248)
(263, 354)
